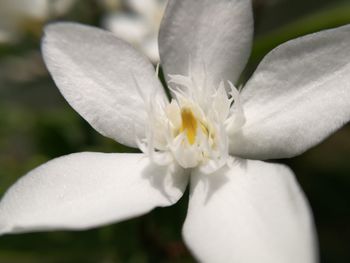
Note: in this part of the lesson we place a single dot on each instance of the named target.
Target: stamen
(189, 124)
(192, 129)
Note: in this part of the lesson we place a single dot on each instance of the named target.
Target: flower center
(191, 129)
(189, 125)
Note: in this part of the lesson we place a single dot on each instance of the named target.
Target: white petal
(216, 35)
(132, 29)
(85, 190)
(150, 48)
(95, 72)
(253, 212)
(147, 8)
(299, 95)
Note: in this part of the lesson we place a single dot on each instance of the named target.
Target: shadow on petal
(170, 180)
(212, 183)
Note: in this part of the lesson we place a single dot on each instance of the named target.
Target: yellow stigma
(189, 124)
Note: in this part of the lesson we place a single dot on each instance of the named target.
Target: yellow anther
(189, 124)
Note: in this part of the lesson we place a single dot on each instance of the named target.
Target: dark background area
(37, 124)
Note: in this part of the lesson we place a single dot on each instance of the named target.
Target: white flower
(140, 27)
(18, 16)
(240, 210)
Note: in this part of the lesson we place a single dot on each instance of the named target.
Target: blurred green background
(37, 124)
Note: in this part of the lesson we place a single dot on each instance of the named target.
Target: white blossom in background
(139, 25)
(15, 69)
(210, 135)
(110, 5)
(19, 16)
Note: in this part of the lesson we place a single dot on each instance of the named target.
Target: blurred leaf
(327, 18)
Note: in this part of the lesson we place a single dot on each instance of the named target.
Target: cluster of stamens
(191, 128)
